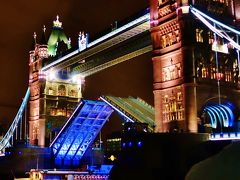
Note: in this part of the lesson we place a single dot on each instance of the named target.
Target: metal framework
(80, 131)
(6, 141)
(132, 109)
(123, 33)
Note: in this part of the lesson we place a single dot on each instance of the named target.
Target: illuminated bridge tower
(184, 63)
(53, 96)
(174, 83)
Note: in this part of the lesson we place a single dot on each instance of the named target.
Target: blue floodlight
(223, 113)
(212, 116)
(139, 143)
(129, 144)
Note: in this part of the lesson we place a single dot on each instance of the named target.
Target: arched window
(61, 90)
(72, 93)
(50, 91)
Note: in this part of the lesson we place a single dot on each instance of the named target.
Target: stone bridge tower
(184, 62)
(173, 68)
(53, 96)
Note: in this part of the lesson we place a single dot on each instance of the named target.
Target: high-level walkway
(124, 43)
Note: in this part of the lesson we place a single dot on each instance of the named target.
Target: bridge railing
(5, 142)
(129, 112)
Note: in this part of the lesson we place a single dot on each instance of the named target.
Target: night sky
(19, 20)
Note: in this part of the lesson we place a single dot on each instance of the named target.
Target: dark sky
(20, 19)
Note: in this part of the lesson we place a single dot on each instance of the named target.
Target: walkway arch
(220, 114)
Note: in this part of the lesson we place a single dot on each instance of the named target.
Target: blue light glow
(79, 132)
(223, 113)
(231, 120)
(213, 118)
(130, 144)
(139, 143)
(226, 116)
(225, 136)
(216, 111)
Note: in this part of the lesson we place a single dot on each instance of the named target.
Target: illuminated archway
(220, 114)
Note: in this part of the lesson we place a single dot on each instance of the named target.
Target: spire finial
(57, 23)
(35, 37)
(44, 28)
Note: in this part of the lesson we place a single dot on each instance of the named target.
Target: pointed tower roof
(43, 38)
(34, 42)
(57, 35)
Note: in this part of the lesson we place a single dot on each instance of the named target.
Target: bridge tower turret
(185, 62)
(36, 84)
(53, 94)
(174, 83)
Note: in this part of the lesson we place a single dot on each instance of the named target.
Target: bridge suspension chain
(205, 19)
(9, 136)
(221, 31)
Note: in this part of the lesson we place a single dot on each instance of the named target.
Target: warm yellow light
(220, 48)
(112, 158)
(51, 75)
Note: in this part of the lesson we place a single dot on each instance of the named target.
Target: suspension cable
(217, 69)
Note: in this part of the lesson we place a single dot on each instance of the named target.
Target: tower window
(199, 35)
(61, 90)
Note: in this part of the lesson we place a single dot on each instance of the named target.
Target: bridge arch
(219, 116)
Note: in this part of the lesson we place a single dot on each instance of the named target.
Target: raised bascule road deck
(122, 44)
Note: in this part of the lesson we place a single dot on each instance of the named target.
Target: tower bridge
(194, 58)
(121, 44)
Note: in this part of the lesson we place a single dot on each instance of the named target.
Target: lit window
(166, 99)
(50, 91)
(61, 90)
(199, 35)
(179, 70)
(228, 75)
(210, 37)
(163, 42)
(174, 37)
(213, 73)
(204, 72)
(179, 96)
(172, 74)
(72, 93)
